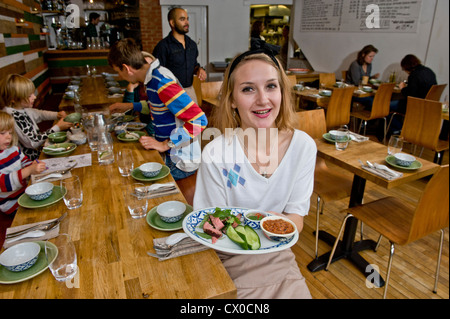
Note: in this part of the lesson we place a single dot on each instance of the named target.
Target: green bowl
(73, 117)
(57, 137)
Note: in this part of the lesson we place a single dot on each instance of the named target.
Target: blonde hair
(224, 116)
(16, 88)
(7, 123)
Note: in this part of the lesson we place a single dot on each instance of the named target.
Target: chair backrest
(382, 100)
(338, 109)
(198, 89)
(432, 211)
(211, 89)
(312, 122)
(435, 92)
(422, 124)
(328, 79)
(292, 79)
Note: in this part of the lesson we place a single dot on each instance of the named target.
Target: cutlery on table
(154, 188)
(31, 234)
(383, 168)
(44, 227)
(52, 175)
(171, 241)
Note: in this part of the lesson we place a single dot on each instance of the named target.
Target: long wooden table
(93, 93)
(112, 247)
(348, 159)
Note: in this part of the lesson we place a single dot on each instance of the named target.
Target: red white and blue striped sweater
(12, 185)
(168, 100)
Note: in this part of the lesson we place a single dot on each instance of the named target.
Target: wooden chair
(328, 79)
(435, 92)
(329, 184)
(380, 108)
(344, 75)
(422, 126)
(196, 83)
(402, 223)
(338, 108)
(293, 81)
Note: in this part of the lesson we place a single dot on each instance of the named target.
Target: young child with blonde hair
(15, 167)
(18, 97)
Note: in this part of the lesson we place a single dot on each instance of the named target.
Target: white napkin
(358, 138)
(48, 234)
(159, 190)
(382, 173)
(187, 246)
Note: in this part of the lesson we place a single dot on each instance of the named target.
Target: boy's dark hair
(126, 51)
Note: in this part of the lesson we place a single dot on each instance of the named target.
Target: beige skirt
(266, 276)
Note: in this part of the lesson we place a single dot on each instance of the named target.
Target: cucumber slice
(235, 237)
(252, 238)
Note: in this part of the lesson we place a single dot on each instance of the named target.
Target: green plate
(27, 202)
(136, 174)
(390, 159)
(11, 277)
(71, 147)
(325, 94)
(327, 137)
(121, 137)
(156, 222)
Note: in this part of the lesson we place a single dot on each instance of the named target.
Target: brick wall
(151, 23)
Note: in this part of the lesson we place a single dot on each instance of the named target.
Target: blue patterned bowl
(253, 218)
(150, 169)
(275, 236)
(20, 257)
(403, 159)
(39, 191)
(171, 211)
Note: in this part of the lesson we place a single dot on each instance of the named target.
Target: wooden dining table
(349, 160)
(93, 93)
(112, 247)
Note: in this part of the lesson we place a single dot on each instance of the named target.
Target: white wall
(334, 51)
(229, 27)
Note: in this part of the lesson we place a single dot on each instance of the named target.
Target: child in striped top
(15, 167)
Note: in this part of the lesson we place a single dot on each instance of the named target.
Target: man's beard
(181, 30)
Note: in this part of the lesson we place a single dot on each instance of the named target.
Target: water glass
(125, 162)
(105, 149)
(73, 198)
(92, 136)
(64, 265)
(395, 144)
(342, 138)
(137, 205)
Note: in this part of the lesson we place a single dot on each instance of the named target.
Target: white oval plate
(224, 244)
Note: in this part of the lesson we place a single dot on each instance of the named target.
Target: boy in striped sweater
(177, 120)
(15, 167)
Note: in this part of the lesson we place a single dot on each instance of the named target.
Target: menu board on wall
(360, 15)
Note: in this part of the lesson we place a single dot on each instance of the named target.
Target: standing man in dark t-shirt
(179, 53)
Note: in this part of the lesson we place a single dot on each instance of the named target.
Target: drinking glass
(64, 266)
(73, 198)
(137, 205)
(92, 136)
(125, 162)
(342, 138)
(105, 149)
(395, 144)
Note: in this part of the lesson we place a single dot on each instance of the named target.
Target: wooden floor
(414, 265)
